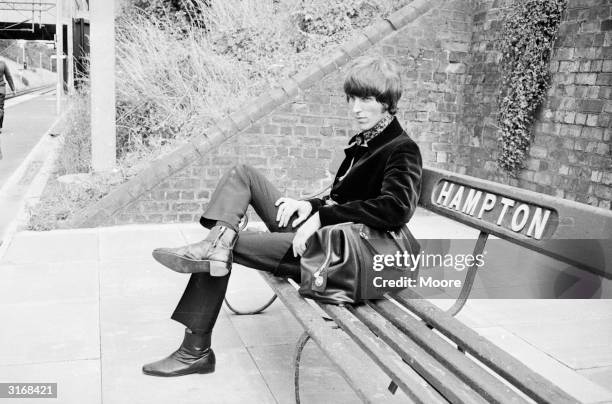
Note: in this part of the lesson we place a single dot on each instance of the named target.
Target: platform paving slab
(42, 283)
(278, 372)
(599, 375)
(568, 379)
(236, 380)
(49, 331)
(61, 246)
(557, 339)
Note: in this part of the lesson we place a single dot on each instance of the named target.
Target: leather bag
(340, 265)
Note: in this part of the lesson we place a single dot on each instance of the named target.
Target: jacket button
(334, 195)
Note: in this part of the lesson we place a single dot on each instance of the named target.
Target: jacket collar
(393, 130)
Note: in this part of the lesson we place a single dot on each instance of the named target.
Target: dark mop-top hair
(374, 76)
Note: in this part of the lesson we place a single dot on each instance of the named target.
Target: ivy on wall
(527, 38)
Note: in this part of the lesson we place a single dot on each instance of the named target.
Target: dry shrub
(62, 201)
(75, 156)
(169, 85)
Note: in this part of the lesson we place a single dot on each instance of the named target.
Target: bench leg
(469, 277)
(246, 313)
(241, 226)
(296, 364)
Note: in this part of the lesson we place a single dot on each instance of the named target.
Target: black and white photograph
(305, 201)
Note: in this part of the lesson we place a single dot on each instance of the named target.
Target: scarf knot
(364, 137)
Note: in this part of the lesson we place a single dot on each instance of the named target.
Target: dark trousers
(2, 97)
(240, 187)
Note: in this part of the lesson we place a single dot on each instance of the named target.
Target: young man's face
(366, 111)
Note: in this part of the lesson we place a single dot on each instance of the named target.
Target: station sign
(502, 211)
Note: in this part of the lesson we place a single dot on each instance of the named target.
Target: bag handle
(394, 236)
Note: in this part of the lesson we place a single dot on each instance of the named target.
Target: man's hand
(303, 234)
(288, 207)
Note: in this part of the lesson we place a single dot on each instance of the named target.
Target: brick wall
(450, 69)
(570, 154)
(295, 144)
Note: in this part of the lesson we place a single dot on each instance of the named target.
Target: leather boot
(213, 254)
(193, 356)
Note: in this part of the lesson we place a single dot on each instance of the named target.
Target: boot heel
(218, 268)
(208, 369)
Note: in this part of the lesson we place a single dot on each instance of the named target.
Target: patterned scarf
(363, 138)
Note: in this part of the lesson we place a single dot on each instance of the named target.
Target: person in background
(4, 74)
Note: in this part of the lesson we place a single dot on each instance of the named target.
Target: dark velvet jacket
(381, 188)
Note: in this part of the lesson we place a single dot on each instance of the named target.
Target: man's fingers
(285, 219)
(287, 214)
(280, 211)
(296, 246)
(299, 220)
(279, 200)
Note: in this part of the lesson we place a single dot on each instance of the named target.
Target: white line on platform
(22, 98)
(44, 152)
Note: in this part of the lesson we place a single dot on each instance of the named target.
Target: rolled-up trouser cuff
(210, 222)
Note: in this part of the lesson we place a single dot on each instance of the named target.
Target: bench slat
(436, 373)
(336, 345)
(490, 387)
(529, 382)
(401, 373)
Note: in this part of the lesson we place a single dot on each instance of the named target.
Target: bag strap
(328, 253)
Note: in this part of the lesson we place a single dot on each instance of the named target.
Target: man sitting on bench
(377, 184)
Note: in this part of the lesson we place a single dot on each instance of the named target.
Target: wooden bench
(421, 348)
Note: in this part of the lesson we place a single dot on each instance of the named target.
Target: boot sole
(206, 370)
(179, 263)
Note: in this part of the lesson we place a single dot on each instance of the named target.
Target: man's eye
(353, 98)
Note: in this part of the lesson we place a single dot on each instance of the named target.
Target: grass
(173, 78)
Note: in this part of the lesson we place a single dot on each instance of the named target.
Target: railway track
(30, 90)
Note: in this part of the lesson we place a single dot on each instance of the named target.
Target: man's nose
(356, 105)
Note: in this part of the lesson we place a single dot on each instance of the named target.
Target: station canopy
(36, 19)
